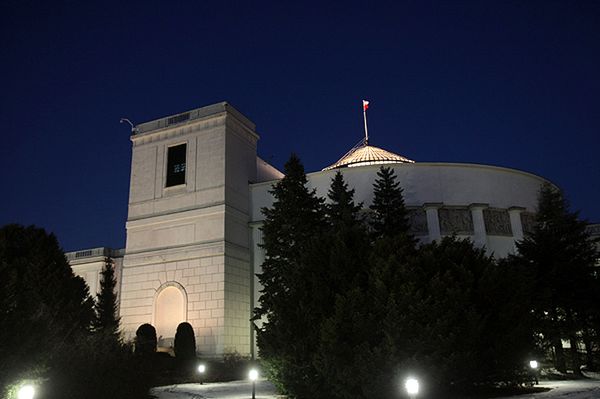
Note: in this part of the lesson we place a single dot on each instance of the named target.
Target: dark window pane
(176, 165)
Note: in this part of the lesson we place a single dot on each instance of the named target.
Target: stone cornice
(198, 119)
(205, 124)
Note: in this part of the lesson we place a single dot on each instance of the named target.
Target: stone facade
(193, 248)
(88, 263)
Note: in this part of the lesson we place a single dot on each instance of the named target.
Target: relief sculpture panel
(497, 222)
(418, 222)
(455, 221)
(527, 221)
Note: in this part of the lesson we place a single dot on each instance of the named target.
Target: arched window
(170, 309)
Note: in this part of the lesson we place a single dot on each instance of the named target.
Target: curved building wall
(488, 204)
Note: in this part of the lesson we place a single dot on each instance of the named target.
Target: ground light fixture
(533, 364)
(26, 392)
(412, 387)
(201, 370)
(253, 376)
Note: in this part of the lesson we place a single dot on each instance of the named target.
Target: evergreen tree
(389, 216)
(562, 258)
(46, 319)
(185, 343)
(345, 248)
(342, 256)
(359, 342)
(107, 321)
(358, 357)
(292, 226)
(341, 210)
(472, 318)
(44, 305)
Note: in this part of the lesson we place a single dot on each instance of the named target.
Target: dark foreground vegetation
(352, 305)
(52, 333)
(54, 336)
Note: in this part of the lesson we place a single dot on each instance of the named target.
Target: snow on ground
(216, 390)
(571, 389)
(578, 389)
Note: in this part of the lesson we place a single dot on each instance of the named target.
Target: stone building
(193, 225)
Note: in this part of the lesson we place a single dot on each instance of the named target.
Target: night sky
(508, 83)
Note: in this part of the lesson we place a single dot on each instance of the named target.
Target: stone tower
(187, 255)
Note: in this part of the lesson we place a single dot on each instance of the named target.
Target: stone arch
(170, 309)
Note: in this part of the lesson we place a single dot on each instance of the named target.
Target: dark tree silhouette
(43, 304)
(286, 326)
(185, 343)
(145, 340)
(107, 321)
(561, 257)
(389, 215)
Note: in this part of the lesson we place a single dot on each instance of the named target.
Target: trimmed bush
(185, 342)
(145, 340)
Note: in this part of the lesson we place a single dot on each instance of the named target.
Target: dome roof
(364, 154)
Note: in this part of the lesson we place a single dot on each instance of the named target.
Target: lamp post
(26, 392)
(253, 375)
(533, 364)
(201, 370)
(412, 387)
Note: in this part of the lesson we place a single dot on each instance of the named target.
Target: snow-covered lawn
(579, 389)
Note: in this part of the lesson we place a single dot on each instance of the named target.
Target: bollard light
(253, 375)
(201, 370)
(26, 392)
(412, 387)
(533, 364)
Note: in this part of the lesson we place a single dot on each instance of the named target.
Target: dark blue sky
(509, 83)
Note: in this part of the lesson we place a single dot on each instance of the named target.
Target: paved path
(219, 390)
(579, 389)
(576, 389)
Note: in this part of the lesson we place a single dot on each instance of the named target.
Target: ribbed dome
(364, 154)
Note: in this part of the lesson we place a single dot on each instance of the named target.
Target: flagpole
(365, 119)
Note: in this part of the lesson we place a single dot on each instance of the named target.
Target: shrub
(95, 367)
(145, 340)
(185, 345)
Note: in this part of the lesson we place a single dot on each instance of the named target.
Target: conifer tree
(342, 256)
(358, 345)
(44, 305)
(473, 324)
(107, 321)
(293, 224)
(389, 215)
(342, 211)
(346, 248)
(562, 258)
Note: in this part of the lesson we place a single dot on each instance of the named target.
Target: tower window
(176, 165)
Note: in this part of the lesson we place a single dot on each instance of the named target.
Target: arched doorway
(170, 309)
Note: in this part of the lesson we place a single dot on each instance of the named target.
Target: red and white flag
(365, 105)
